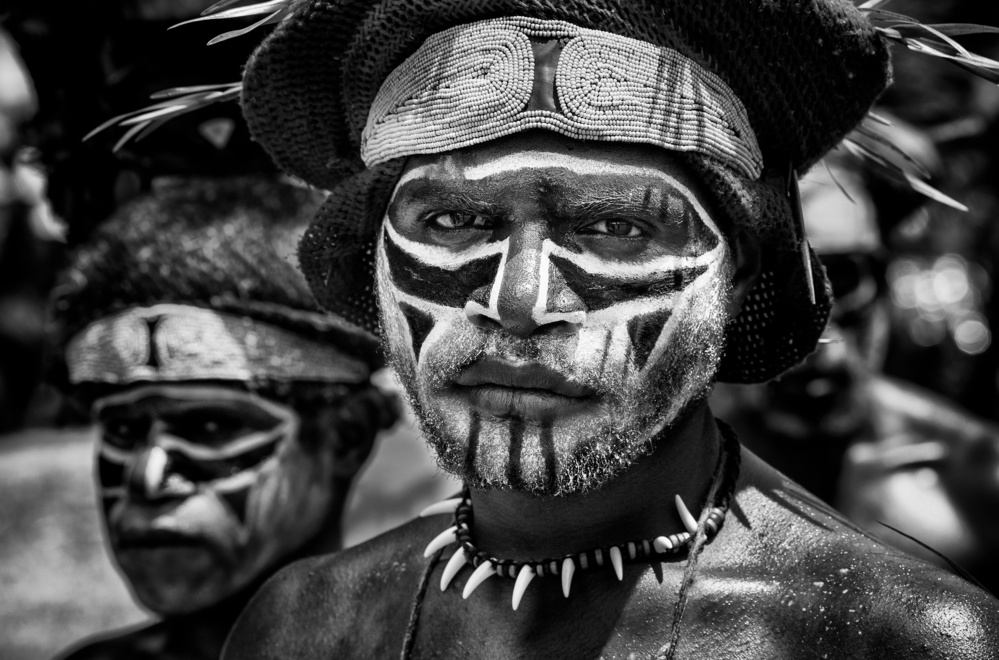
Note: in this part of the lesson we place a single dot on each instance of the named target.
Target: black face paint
(420, 325)
(472, 442)
(644, 332)
(551, 460)
(451, 288)
(598, 292)
(111, 474)
(237, 500)
(513, 471)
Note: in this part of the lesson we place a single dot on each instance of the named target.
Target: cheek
(422, 334)
(626, 343)
(289, 503)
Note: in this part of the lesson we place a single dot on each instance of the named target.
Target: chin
(172, 581)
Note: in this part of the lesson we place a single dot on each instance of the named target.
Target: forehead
(571, 165)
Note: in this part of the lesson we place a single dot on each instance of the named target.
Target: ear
(351, 453)
(745, 249)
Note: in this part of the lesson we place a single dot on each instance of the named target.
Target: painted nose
(530, 296)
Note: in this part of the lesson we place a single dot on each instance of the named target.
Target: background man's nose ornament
(149, 471)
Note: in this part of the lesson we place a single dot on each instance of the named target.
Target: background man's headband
(476, 82)
(172, 343)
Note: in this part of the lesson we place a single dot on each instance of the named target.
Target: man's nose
(530, 296)
(148, 472)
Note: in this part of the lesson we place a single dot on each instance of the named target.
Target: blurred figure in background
(28, 246)
(877, 449)
(91, 61)
(233, 415)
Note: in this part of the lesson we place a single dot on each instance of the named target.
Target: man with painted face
(567, 221)
(878, 449)
(232, 414)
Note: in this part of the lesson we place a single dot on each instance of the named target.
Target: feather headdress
(782, 73)
(868, 141)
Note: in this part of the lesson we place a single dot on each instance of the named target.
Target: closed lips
(531, 376)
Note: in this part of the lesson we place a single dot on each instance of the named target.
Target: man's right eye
(125, 434)
(454, 220)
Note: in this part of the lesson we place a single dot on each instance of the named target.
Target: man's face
(550, 305)
(825, 393)
(204, 488)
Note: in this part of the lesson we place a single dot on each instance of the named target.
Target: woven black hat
(806, 71)
(223, 244)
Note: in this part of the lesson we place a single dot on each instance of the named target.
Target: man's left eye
(617, 228)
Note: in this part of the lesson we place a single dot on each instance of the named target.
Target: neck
(201, 634)
(637, 504)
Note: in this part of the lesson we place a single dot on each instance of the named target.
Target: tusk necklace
(658, 548)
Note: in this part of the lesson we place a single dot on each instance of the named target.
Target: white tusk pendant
(615, 557)
(688, 520)
(454, 564)
(446, 506)
(568, 570)
(480, 575)
(523, 579)
(662, 544)
(445, 538)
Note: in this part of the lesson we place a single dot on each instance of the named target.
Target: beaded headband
(180, 342)
(477, 82)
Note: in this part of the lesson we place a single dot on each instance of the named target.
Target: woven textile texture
(805, 70)
(171, 343)
(476, 82)
(220, 244)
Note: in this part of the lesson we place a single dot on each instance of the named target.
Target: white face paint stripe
(442, 257)
(230, 450)
(112, 454)
(514, 162)
(588, 263)
(243, 479)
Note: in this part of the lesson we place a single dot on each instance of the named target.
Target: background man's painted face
(825, 393)
(203, 489)
(550, 305)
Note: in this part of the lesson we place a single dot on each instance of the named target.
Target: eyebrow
(663, 203)
(559, 195)
(444, 194)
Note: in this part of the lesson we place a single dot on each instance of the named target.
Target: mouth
(152, 539)
(528, 390)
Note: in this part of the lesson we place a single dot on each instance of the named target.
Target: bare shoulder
(329, 606)
(830, 582)
(118, 644)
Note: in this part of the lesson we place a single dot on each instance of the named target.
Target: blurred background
(65, 67)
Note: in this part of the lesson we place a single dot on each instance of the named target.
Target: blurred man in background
(27, 246)
(232, 414)
(201, 181)
(878, 449)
